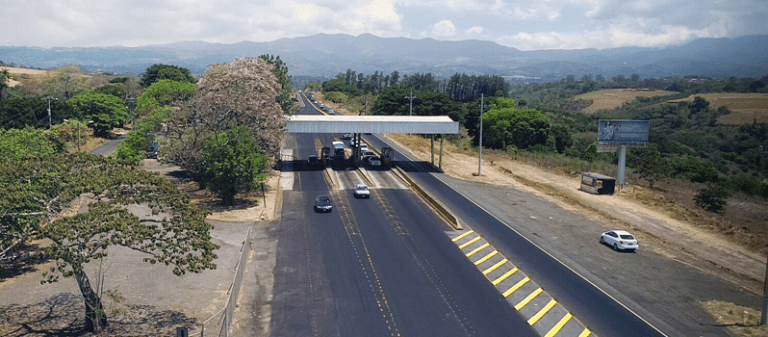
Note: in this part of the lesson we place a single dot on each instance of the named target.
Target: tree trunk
(95, 318)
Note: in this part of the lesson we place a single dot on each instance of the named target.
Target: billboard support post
(622, 164)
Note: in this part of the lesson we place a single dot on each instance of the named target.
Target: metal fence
(227, 313)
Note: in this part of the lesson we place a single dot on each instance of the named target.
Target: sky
(521, 24)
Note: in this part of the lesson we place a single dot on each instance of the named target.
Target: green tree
(519, 127)
(280, 70)
(132, 149)
(17, 144)
(19, 112)
(562, 137)
(66, 82)
(37, 190)
(4, 76)
(699, 104)
(232, 163)
(650, 164)
(712, 198)
(106, 111)
(166, 72)
(166, 92)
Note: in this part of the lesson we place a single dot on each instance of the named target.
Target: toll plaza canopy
(428, 125)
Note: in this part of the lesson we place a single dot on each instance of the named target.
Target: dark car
(323, 204)
(313, 160)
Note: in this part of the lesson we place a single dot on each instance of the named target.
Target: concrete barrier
(436, 205)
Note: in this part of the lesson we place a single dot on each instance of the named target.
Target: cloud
(631, 33)
(443, 29)
(96, 23)
(474, 31)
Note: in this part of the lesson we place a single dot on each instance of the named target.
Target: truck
(338, 150)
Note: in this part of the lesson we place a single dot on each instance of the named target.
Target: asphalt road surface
(375, 267)
(108, 148)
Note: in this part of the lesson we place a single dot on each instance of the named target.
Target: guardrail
(437, 205)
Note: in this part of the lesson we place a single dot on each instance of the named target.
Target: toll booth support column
(441, 153)
(433, 149)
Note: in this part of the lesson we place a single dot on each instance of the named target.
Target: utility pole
(480, 157)
(764, 306)
(411, 97)
(49, 99)
(130, 102)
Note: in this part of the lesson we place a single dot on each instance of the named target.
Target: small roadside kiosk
(597, 183)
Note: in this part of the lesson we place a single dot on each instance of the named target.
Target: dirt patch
(740, 321)
(614, 98)
(252, 206)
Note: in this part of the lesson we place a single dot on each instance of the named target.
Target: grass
(745, 108)
(614, 98)
(740, 321)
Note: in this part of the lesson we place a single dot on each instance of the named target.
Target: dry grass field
(614, 98)
(745, 108)
(19, 74)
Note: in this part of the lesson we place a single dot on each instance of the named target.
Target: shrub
(712, 198)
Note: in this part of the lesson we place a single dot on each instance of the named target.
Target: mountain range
(324, 56)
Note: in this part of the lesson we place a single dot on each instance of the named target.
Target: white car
(374, 161)
(619, 240)
(368, 155)
(362, 191)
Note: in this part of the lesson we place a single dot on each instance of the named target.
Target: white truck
(338, 149)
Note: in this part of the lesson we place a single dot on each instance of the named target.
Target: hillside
(325, 55)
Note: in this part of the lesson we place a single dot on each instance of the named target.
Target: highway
(389, 266)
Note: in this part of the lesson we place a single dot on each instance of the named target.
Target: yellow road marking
(466, 244)
(528, 299)
(542, 312)
(555, 329)
(485, 258)
(484, 246)
(585, 333)
(462, 235)
(504, 277)
(495, 266)
(516, 286)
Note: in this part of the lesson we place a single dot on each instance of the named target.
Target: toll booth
(597, 183)
(387, 156)
(325, 155)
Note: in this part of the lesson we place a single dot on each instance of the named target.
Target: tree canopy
(232, 163)
(166, 92)
(38, 190)
(106, 111)
(166, 72)
(241, 93)
(519, 127)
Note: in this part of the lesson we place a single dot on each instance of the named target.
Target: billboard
(623, 132)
